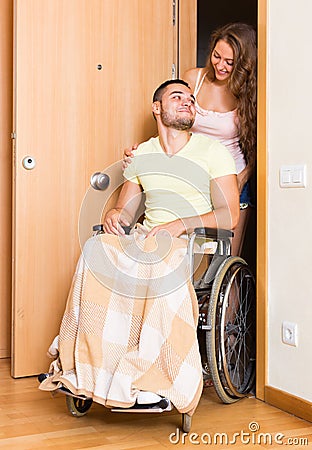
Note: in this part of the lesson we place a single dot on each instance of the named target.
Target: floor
(31, 419)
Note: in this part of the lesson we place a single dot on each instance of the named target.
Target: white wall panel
(290, 210)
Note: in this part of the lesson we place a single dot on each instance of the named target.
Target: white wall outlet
(290, 333)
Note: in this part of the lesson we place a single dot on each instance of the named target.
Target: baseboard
(288, 402)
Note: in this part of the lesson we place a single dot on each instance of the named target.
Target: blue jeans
(245, 198)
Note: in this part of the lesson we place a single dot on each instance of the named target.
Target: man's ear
(156, 107)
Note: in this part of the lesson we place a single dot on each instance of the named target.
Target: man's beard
(178, 123)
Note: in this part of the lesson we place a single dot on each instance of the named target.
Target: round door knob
(100, 181)
(29, 162)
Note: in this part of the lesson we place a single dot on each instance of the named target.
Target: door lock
(29, 162)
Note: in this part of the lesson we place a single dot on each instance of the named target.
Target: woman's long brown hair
(242, 81)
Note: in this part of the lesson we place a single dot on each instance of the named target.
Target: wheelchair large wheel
(231, 339)
(78, 406)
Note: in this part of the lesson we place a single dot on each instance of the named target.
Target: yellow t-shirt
(178, 186)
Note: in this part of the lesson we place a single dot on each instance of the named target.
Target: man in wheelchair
(129, 332)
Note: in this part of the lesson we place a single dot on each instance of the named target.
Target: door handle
(99, 181)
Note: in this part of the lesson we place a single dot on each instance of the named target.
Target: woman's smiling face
(222, 59)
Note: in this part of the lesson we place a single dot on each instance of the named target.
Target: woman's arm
(242, 178)
(245, 175)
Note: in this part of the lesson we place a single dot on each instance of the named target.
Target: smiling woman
(225, 91)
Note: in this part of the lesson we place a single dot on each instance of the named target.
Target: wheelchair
(225, 290)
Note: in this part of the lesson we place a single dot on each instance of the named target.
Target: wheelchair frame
(227, 324)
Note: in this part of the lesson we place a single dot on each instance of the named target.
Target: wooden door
(85, 71)
(6, 60)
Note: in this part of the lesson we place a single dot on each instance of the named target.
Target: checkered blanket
(130, 324)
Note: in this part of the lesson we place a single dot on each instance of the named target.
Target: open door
(85, 72)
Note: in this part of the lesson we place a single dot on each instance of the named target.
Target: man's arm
(127, 204)
(225, 214)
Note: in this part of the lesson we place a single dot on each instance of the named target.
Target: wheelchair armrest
(99, 229)
(213, 233)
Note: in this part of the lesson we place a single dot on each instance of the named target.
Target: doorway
(210, 16)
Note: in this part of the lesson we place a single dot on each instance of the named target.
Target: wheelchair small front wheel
(78, 406)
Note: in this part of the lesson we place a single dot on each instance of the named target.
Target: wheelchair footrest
(163, 405)
(64, 390)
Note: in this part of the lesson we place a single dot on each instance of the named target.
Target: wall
(289, 97)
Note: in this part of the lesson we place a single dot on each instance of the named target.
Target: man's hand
(124, 212)
(174, 228)
(114, 220)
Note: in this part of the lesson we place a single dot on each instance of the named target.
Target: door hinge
(173, 71)
(174, 11)
(13, 135)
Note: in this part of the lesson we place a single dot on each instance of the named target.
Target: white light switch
(292, 176)
(297, 176)
(285, 176)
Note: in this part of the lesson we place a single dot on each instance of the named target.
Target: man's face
(177, 107)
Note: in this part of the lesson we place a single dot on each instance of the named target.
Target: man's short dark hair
(160, 90)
